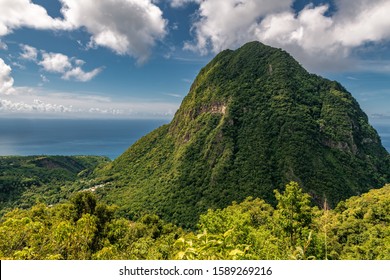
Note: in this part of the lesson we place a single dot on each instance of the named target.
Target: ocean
(86, 137)
(71, 137)
(384, 132)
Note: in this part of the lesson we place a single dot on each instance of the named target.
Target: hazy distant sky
(138, 58)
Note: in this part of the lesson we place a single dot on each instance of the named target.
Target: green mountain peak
(254, 119)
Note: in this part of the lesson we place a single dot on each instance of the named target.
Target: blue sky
(138, 58)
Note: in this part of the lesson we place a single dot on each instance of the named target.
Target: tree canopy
(86, 228)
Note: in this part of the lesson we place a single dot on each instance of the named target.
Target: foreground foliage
(358, 228)
(84, 228)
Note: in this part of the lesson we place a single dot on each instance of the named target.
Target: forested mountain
(49, 179)
(254, 120)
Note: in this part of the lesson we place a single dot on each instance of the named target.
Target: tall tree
(294, 214)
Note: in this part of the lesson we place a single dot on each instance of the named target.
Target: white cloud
(188, 81)
(314, 32)
(361, 21)
(6, 81)
(128, 27)
(23, 13)
(229, 23)
(79, 62)
(174, 95)
(17, 64)
(28, 52)
(34, 101)
(37, 106)
(3, 46)
(79, 75)
(311, 35)
(55, 62)
(181, 3)
(44, 78)
(68, 67)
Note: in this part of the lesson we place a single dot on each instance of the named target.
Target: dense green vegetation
(83, 228)
(48, 179)
(256, 128)
(253, 120)
(358, 228)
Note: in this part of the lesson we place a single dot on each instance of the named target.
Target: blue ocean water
(71, 137)
(86, 137)
(384, 132)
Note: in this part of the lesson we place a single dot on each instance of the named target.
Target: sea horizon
(95, 137)
(67, 137)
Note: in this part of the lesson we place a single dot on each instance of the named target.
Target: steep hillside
(26, 180)
(253, 120)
